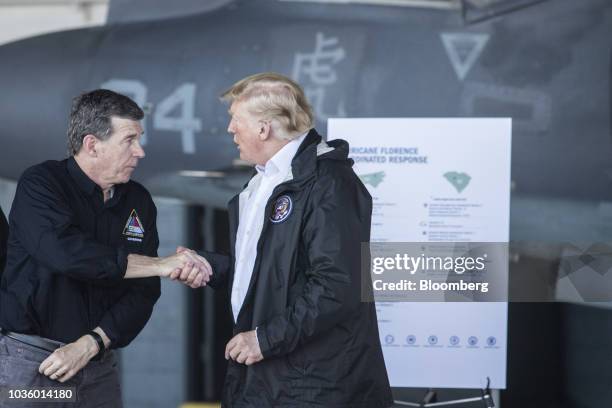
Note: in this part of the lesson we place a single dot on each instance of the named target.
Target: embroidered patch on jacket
(133, 228)
(282, 209)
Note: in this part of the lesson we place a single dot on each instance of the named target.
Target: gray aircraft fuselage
(546, 66)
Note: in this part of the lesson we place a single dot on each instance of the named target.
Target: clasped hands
(187, 267)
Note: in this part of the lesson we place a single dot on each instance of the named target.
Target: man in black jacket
(302, 335)
(82, 273)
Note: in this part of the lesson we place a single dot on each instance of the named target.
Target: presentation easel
(456, 173)
(430, 399)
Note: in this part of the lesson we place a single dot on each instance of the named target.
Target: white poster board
(437, 180)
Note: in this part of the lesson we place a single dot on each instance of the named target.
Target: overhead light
(203, 174)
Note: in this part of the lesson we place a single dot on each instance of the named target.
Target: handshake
(187, 267)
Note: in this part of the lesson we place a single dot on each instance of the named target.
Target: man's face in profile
(119, 154)
(246, 129)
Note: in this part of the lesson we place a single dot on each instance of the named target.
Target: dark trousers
(96, 385)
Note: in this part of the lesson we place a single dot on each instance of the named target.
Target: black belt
(32, 340)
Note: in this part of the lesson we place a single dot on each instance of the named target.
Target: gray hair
(92, 112)
(276, 98)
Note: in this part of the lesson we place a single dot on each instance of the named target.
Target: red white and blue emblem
(133, 227)
(282, 209)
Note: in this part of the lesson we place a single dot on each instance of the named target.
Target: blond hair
(275, 98)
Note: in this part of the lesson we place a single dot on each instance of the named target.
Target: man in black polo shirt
(80, 229)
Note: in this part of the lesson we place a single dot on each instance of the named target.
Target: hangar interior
(556, 88)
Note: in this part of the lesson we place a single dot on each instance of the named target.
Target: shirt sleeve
(220, 264)
(128, 316)
(42, 222)
(332, 234)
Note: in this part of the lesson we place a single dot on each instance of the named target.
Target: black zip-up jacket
(67, 255)
(320, 343)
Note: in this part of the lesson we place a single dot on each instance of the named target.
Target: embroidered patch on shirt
(282, 209)
(133, 228)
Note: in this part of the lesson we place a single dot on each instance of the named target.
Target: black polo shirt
(67, 255)
(3, 238)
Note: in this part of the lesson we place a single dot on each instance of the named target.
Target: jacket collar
(304, 163)
(281, 161)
